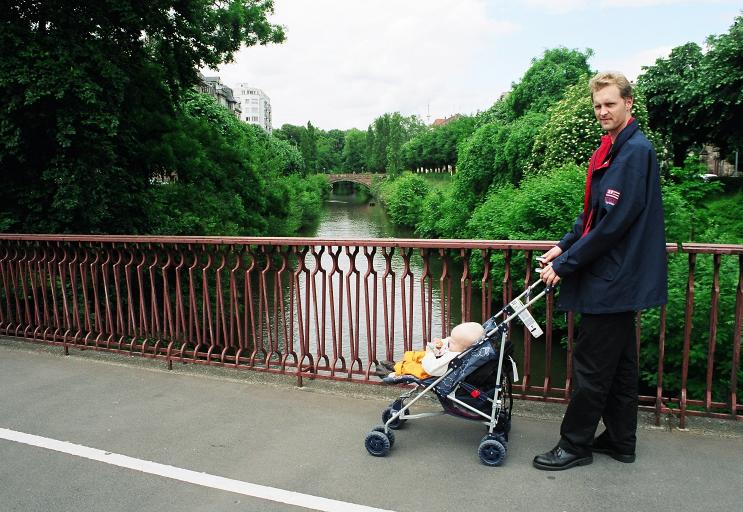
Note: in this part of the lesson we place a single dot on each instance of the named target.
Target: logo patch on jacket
(612, 196)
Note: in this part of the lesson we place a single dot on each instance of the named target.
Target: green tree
(371, 161)
(330, 150)
(696, 97)
(394, 145)
(308, 147)
(513, 156)
(290, 133)
(671, 88)
(354, 148)
(721, 90)
(215, 185)
(541, 208)
(89, 89)
(381, 140)
(547, 78)
(403, 198)
(500, 112)
(412, 126)
(437, 147)
(230, 178)
(476, 164)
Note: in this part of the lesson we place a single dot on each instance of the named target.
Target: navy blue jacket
(620, 264)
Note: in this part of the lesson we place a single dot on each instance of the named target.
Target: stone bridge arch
(360, 178)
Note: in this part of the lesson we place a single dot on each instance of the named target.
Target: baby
(434, 361)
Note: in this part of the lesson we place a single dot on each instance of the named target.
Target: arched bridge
(360, 178)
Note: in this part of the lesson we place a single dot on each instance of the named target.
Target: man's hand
(549, 276)
(548, 256)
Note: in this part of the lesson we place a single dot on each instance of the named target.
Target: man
(611, 265)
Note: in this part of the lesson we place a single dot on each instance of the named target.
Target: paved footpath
(97, 432)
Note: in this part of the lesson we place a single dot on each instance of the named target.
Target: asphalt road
(267, 432)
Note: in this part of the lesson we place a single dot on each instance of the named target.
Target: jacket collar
(623, 137)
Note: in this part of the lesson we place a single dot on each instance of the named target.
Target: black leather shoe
(558, 459)
(602, 444)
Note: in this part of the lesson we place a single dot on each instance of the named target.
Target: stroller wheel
(387, 414)
(377, 444)
(390, 434)
(498, 436)
(491, 452)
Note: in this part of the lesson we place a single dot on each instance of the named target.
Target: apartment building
(255, 106)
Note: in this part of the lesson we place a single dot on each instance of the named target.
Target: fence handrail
(416, 243)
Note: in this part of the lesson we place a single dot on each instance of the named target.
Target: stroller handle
(509, 313)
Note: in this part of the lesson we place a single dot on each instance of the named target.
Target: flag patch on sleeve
(612, 196)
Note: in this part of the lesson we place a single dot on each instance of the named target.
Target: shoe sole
(585, 461)
(621, 457)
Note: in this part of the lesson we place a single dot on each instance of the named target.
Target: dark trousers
(605, 384)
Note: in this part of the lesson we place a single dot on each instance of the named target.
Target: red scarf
(598, 161)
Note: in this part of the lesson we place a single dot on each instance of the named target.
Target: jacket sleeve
(629, 177)
(573, 235)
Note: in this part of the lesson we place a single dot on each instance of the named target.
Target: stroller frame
(493, 445)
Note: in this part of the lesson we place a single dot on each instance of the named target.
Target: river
(353, 216)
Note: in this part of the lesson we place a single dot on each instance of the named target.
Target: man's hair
(606, 78)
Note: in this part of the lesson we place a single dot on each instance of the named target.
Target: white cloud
(631, 65)
(559, 6)
(566, 6)
(346, 62)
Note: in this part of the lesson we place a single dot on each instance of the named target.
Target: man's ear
(629, 102)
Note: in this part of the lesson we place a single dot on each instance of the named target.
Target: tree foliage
(541, 208)
(403, 198)
(385, 138)
(226, 177)
(90, 94)
(547, 79)
(354, 151)
(436, 148)
(671, 88)
(721, 85)
(695, 97)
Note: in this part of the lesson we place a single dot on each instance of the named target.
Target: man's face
(612, 111)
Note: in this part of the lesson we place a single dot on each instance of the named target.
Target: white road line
(215, 482)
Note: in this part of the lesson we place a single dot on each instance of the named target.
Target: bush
(403, 198)
(542, 208)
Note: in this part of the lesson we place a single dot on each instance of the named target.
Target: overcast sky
(346, 62)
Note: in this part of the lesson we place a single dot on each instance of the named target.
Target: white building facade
(255, 106)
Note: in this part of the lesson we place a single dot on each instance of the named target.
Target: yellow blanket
(411, 364)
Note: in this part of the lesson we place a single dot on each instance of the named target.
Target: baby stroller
(475, 386)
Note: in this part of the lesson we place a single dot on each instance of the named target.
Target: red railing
(332, 308)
